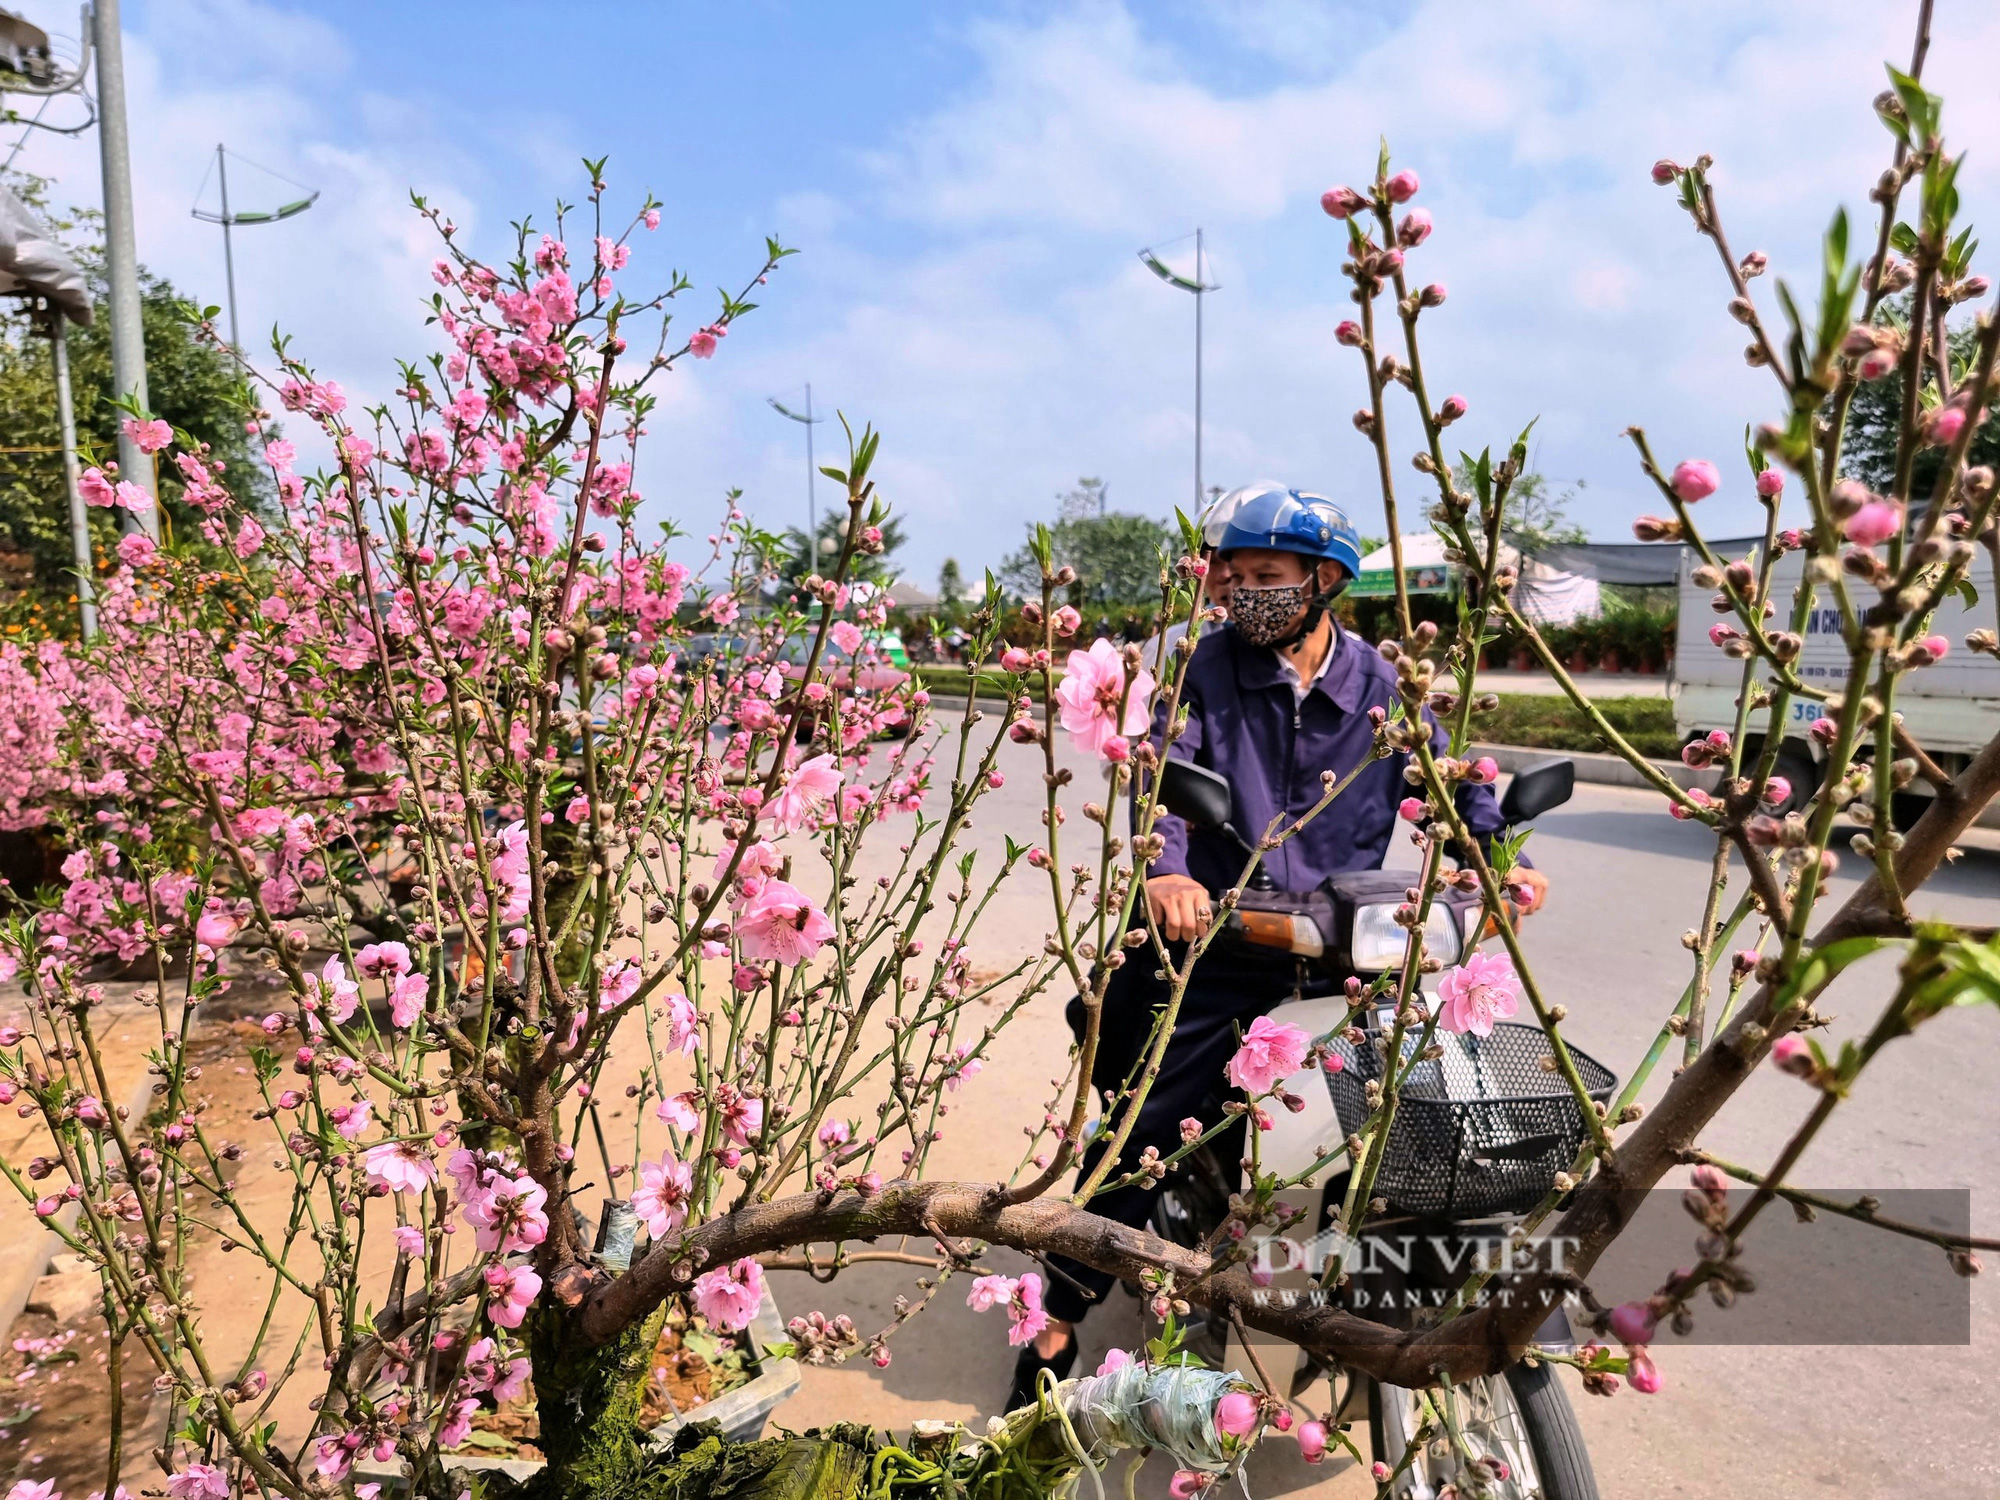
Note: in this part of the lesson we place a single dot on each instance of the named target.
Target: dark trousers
(1226, 992)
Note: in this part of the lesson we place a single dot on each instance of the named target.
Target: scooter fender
(1296, 1141)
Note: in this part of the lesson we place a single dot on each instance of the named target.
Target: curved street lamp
(230, 220)
(807, 420)
(1199, 287)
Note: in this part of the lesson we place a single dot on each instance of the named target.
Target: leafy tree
(951, 584)
(830, 535)
(1116, 557)
(189, 383)
(1086, 502)
(1540, 514)
(1875, 417)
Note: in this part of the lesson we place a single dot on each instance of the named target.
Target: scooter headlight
(1378, 942)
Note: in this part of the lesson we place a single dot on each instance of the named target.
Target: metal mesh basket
(1482, 1130)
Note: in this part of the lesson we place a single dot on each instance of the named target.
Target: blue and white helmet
(1269, 516)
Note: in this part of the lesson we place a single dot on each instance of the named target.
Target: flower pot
(1579, 661)
(741, 1413)
(1609, 661)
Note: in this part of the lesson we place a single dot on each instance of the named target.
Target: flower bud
(1341, 202)
(1348, 332)
(1753, 265)
(1402, 187)
(1656, 529)
(1454, 407)
(1415, 228)
(1432, 295)
(1770, 484)
(1665, 170)
(1695, 479)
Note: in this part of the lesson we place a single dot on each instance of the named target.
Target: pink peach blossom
(1482, 990)
(1271, 1052)
(1089, 695)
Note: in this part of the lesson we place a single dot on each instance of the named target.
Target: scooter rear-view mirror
(1537, 788)
(1195, 793)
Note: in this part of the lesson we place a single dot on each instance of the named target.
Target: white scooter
(1480, 1132)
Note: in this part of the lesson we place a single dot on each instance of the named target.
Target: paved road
(1750, 1422)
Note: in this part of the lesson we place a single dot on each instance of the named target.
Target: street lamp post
(121, 252)
(1200, 287)
(230, 220)
(807, 420)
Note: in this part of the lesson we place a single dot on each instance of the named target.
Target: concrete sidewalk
(1593, 684)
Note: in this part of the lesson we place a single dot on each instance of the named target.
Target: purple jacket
(1246, 722)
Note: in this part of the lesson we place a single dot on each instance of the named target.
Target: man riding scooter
(1275, 698)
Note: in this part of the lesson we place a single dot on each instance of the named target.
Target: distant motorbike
(1479, 1135)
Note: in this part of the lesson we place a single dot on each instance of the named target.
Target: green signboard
(1380, 583)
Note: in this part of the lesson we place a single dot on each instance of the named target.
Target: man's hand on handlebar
(1181, 906)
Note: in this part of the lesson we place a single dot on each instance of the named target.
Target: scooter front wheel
(1519, 1427)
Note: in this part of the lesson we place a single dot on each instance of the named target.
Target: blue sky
(967, 185)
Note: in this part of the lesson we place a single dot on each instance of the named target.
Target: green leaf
(1963, 587)
(1902, 238)
(1823, 965)
(1836, 244)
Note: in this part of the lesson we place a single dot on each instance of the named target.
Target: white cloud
(1019, 344)
(970, 284)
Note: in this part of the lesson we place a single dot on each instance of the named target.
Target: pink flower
(1190, 1130)
(1770, 484)
(333, 990)
(578, 810)
(989, 1291)
(1482, 990)
(1873, 524)
(351, 1120)
(512, 1291)
(1271, 1052)
(1116, 749)
(1066, 621)
(1946, 425)
(1634, 1324)
(383, 960)
(1415, 228)
(96, 489)
(807, 794)
(677, 1110)
(661, 1199)
(409, 1240)
(1114, 1359)
(1930, 650)
(1025, 1308)
(1312, 1441)
(509, 1216)
(1454, 407)
(400, 1166)
(148, 437)
(835, 1133)
(701, 343)
(214, 929)
(780, 923)
(1187, 1483)
(408, 998)
(196, 1481)
(28, 1489)
(1695, 479)
(1644, 1374)
(1402, 187)
(1092, 687)
(728, 1298)
(1485, 770)
(683, 1026)
(652, 218)
(1236, 1414)
(846, 635)
(1413, 809)
(742, 1116)
(1777, 789)
(1014, 659)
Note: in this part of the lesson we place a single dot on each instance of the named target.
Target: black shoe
(1028, 1372)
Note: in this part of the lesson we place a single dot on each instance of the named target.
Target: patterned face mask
(1264, 617)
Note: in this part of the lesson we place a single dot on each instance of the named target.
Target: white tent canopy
(1546, 595)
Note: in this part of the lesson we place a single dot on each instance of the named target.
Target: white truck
(1952, 708)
